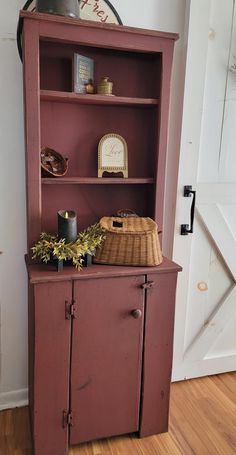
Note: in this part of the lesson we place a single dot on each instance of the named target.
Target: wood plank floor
(202, 422)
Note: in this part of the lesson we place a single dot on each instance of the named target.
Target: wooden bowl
(53, 163)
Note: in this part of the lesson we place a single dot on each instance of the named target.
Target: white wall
(165, 15)
(13, 283)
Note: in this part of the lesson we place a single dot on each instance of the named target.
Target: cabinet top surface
(42, 17)
(41, 273)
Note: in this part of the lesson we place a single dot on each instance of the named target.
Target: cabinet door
(106, 357)
(50, 365)
(157, 361)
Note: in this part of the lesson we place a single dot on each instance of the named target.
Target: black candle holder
(59, 265)
(88, 259)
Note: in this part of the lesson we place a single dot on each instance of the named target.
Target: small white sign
(113, 152)
(112, 155)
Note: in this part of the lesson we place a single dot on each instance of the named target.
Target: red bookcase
(103, 372)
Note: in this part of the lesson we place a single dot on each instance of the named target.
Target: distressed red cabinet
(101, 353)
(100, 340)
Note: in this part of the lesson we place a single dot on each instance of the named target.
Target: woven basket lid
(130, 225)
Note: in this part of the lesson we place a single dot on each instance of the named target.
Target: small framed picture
(112, 155)
(83, 72)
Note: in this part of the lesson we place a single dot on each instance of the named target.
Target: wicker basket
(129, 241)
(53, 163)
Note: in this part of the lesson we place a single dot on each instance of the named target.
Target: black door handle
(185, 229)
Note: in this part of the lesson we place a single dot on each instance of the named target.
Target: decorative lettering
(83, 3)
(95, 7)
(100, 13)
(104, 19)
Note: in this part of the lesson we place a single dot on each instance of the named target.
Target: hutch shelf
(97, 367)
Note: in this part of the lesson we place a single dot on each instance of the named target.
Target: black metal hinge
(67, 419)
(147, 285)
(70, 309)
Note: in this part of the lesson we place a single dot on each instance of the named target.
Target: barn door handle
(185, 229)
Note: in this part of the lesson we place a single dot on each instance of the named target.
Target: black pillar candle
(67, 225)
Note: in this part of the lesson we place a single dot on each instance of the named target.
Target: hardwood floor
(202, 422)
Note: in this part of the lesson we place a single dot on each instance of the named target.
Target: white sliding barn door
(205, 329)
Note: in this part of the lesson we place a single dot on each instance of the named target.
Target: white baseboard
(14, 399)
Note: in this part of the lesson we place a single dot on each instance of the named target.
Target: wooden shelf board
(96, 25)
(95, 181)
(71, 97)
(40, 273)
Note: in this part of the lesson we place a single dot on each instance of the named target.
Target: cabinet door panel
(106, 357)
(157, 363)
(51, 367)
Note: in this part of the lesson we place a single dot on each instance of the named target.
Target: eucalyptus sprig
(49, 246)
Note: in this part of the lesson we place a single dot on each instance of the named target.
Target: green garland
(49, 246)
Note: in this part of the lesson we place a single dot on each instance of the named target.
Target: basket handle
(125, 213)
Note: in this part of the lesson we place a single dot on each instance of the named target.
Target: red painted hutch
(95, 370)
